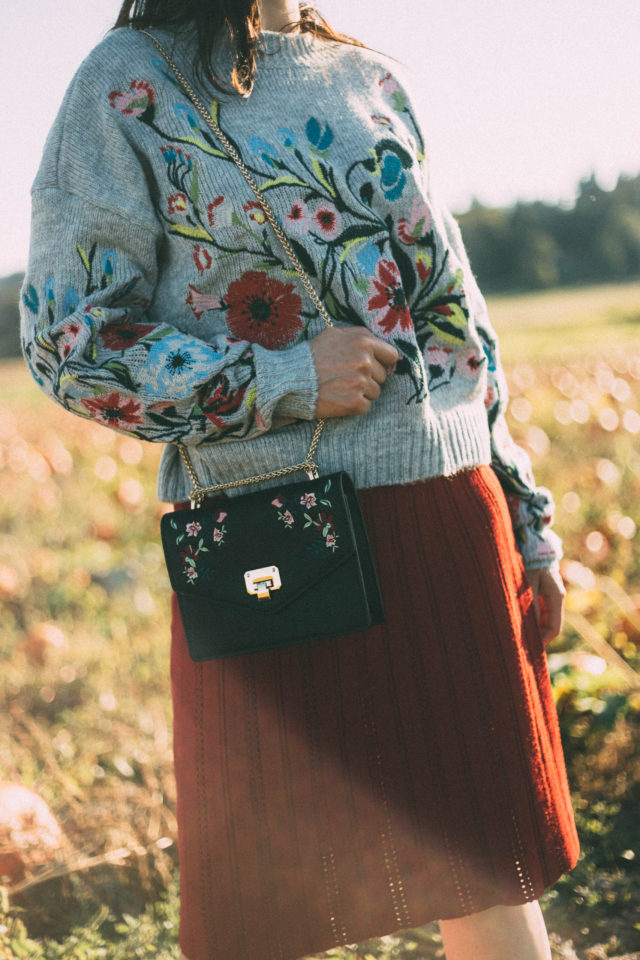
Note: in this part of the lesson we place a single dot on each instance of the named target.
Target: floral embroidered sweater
(158, 302)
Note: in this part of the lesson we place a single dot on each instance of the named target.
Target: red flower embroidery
(222, 400)
(122, 334)
(328, 221)
(177, 203)
(387, 299)
(211, 210)
(115, 410)
(263, 310)
(255, 211)
(202, 258)
(133, 103)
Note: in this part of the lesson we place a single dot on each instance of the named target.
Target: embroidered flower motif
(135, 101)
(177, 203)
(393, 179)
(330, 541)
(211, 210)
(193, 529)
(175, 155)
(263, 310)
(308, 500)
(387, 299)
(319, 137)
(287, 518)
(468, 364)
(327, 220)
(175, 365)
(437, 359)
(218, 535)
(263, 150)
(121, 334)
(201, 302)
(418, 224)
(299, 219)
(278, 502)
(115, 410)
(424, 266)
(256, 213)
(220, 516)
(192, 573)
(391, 89)
(202, 259)
(66, 342)
(287, 137)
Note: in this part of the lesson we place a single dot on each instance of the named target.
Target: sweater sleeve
(94, 332)
(91, 345)
(531, 506)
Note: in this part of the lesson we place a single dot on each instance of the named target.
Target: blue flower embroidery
(175, 367)
(263, 149)
(184, 110)
(319, 138)
(30, 297)
(392, 178)
(70, 301)
(287, 137)
(367, 257)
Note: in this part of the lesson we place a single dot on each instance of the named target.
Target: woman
(343, 789)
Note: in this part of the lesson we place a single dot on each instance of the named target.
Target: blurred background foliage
(85, 634)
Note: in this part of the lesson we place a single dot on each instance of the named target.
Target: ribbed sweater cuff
(287, 382)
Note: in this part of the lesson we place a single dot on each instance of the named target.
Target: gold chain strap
(308, 465)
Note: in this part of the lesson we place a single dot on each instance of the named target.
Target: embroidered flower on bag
(287, 518)
(193, 529)
(218, 535)
(308, 500)
(277, 502)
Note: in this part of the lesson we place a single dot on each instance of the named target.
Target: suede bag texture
(310, 534)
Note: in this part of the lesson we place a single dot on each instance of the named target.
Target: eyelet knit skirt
(344, 789)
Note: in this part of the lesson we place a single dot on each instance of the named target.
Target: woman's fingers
(351, 364)
(549, 595)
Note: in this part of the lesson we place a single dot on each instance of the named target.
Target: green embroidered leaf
(264, 265)
(321, 173)
(156, 335)
(303, 257)
(325, 529)
(195, 186)
(194, 233)
(327, 486)
(444, 329)
(282, 182)
(180, 538)
(215, 111)
(84, 257)
(173, 524)
(359, 231)
(366, 193)
(203, 146)
(122, 374)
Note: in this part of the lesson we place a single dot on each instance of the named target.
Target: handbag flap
(263, 549)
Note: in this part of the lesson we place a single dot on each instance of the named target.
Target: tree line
(527, 246)
(533, 246)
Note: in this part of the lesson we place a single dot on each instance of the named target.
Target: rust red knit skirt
(345, 789)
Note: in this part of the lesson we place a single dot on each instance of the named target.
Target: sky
(519, 99)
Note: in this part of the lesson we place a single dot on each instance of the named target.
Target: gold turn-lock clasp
(261, 582)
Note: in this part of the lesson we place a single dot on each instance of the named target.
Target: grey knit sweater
(158, 301)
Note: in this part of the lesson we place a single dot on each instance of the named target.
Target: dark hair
(242, 20)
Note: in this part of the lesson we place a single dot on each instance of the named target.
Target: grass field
(85, 644)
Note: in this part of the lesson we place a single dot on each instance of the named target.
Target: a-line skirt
(344, 789)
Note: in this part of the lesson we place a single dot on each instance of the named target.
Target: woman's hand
(352, 364)
(548, 594)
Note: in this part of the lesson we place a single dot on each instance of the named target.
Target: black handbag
(274, 567)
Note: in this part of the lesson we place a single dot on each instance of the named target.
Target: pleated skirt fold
(344, 789)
